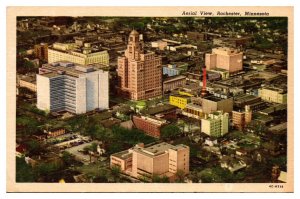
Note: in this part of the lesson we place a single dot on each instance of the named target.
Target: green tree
(92, 147)
(47, 168)
(29, 125)
(24, 172)
(180, 176)
(78, 123)
(163, 179)
(68, 158)
(115, 172)
(34, 147)
(170, 131)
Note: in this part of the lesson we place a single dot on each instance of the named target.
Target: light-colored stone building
(83, 55)
(139, 72)
(216, 124)
(213, 103)
(161, 159)
(224, 58)
(65, 86)
(27, 82)
(273, 95)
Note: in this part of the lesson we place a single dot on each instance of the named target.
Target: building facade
(27, 82)
(174, 83)
(139, 72)
(224, 58)
(64, 86)
(196, 36)
(273, 95)
(179, 100)
(194, 111)
(83, 55)
(161, 159)
(216, 124)
(41, 51)
(241, 118)
(171, 70)
(150, 125)
(213, 103)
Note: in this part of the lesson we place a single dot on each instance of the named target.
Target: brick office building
(139, 72)
(150, 125)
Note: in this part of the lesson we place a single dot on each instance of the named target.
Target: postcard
(150, 99)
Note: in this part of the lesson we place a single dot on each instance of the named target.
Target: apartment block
(216, 124)
(65, 86)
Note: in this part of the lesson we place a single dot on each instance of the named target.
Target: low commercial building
(216, 124)
(223, 73)
(196, 36)
(241, 118)
(65, 86)
(255, 103)
(55, 132)
(150, 125)
(179, 100)
(273, 95)
(171, 70)
(77, 54)
(27, 82)
(161, 159)
(212, 103)
(123, 160)
(194, 111)
(165, 111)
(161, 45)
(173, 83)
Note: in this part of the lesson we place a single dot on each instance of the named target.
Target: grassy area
(94, 169)
(102, 116)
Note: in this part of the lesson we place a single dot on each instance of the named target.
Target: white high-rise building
(65, 86)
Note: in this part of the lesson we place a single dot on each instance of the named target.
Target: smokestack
(203, 91)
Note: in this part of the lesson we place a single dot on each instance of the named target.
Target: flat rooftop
(159, 109)
(123, 154)
(158, 149)
(65, 67)
(279, 90)
(245, 97)
(214, 98)
(172, 79)
(279, 127)
(194, 106)
(274, 108)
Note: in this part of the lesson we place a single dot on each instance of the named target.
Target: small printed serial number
(276, 186)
